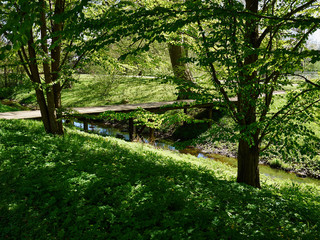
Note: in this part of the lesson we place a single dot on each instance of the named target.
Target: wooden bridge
(153, 106)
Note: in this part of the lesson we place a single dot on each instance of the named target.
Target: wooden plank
(21, 115)
(95, 110)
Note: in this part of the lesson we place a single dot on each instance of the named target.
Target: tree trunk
(248, 160)
(48, 94)
(55, 64)
(248, 94)
(180, 69)
(48, 74)
(5, 75)
(43, 110)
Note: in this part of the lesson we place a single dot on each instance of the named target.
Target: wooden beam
(210, 116)
(151, 135)
(85, 125)
(132, 130)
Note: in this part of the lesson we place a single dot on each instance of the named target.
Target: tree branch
(286, 17)
(307, 80)
(263, 132)
(24, 62)
(214, 75)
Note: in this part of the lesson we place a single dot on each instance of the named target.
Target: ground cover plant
(81, 186)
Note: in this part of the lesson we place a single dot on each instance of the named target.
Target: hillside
(84, 186)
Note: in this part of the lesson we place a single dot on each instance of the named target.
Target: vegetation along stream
(166, 144)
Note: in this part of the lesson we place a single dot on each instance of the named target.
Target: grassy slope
(84, 186)
(93, 90)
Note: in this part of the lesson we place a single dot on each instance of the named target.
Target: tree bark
(46, 95)
(47, 73)
(248, 160)
(5, 75)
(248, 94)
(180, 69)
(56, 60)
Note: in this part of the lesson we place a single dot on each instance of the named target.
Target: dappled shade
(82, 186)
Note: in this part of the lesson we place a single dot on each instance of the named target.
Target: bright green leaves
(149, 119)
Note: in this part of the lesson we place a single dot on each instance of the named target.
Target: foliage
(82, 186)
(46, 37)
(150, 119)
(248, 47)
(6, 108)
(294, 148)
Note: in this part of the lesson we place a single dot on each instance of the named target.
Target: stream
(169, 145)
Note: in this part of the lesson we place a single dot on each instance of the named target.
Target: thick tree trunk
(180, 69)
(248, 94)
(248, 160)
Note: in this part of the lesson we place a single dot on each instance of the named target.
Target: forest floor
(84, 186)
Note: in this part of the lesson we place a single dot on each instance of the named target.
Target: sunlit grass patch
(98, 91)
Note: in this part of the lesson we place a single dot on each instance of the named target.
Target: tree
(177, 52)
(181, 71)
(249, 48)
(43, 33)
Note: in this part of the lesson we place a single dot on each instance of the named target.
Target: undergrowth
(83, 186)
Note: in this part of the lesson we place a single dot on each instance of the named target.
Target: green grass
(98, 90)
(83, 186)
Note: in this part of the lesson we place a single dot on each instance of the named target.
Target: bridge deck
(154, 106)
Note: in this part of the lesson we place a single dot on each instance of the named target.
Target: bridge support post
(210, 116)
(69, 121)
(85, 125)
(151, 135)
(132, 130)
(185, 111)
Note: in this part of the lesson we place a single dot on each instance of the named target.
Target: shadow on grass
(84, 187)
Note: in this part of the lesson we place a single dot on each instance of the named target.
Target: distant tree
(181, 71)
(249, 48)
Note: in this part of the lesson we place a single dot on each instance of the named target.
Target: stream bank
(105, 130)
